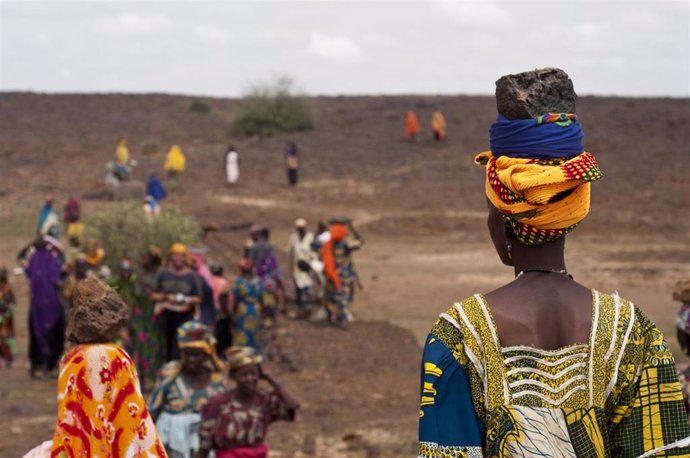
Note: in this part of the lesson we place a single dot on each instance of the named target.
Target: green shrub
(200, 106)
(125, 231)
(271, 108)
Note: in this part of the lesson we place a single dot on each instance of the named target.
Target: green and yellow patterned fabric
(616, 395)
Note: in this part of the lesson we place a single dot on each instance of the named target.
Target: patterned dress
(227, 424)
(176, 406)
(100, 408)
(340, 301)
(248, 294)
(617, 395)
(148, 336)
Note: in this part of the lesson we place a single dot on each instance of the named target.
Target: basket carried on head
(681, 292)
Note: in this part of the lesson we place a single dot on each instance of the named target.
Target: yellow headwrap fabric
(194, 334)
(178, 248)
(542, 199)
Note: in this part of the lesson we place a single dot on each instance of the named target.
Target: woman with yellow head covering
(175, 162)
(235, 423)
(438, 126)
(122, 152)
(176, 290)
(544, 366)
(185, 387)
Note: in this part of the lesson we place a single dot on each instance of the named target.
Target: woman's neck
(547, 257)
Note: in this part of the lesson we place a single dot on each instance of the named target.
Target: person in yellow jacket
(438, 125)
(122, 152)
(174, 163)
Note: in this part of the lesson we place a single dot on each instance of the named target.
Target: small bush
(199, 106)
(271, 108)
(125, 232)
(149, 148)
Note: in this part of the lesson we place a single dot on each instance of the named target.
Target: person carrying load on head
(544, 366)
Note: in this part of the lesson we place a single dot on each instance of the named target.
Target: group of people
(438, 126)
(187, 334)
(292, 164)
(200, 405)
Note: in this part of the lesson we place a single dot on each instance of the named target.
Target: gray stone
(530, 94)
(97, 314)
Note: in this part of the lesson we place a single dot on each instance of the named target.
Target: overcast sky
(614, 47)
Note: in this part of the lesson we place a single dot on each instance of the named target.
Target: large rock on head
(531, 94)
(97, 314)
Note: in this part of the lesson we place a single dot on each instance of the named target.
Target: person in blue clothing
(247, 296)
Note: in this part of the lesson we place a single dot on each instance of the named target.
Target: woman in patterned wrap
(101, 411)
(234, 423)
(544, 366)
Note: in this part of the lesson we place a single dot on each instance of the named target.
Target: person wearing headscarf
(46, 314)
(175, 163)
(48, 221)
(185, 387)
(336, 255)
(544, 365)
(247, 302)
(177, 292)
(101, 411)
(232, 165)
(438, 126)
(7, 301)
(95, 258)
(122, 152)
(411, 126)
(301, 256)
(234, 423)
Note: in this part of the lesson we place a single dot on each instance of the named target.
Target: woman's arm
(290, 402)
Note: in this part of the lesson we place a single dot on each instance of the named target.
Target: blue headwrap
(548, 136)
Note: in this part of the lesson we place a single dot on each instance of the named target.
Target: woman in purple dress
(46, 316)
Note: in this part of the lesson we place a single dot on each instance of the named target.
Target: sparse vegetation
(271, 108)
(125, 231)
(200, 106)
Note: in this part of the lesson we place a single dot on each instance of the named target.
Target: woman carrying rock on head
(101, 411)
(545, 366)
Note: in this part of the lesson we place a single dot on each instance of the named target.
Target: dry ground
(420, 208)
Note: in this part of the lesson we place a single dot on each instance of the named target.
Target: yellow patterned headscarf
(194, 334)
(542, 199)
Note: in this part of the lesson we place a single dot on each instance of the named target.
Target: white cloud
(211, 35)
(476, 14)
(335, 48)
(127, 24)
(378, 40)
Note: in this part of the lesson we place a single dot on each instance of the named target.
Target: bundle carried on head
(97, 314)
(538, 173)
